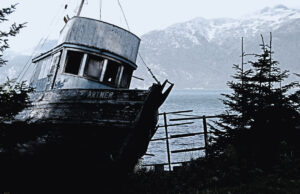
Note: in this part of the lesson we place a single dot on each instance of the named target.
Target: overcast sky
(45, 17)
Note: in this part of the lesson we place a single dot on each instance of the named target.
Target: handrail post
(205, 135)
(167, 140)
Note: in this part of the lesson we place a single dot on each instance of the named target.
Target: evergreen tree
(12, 31)
(13, 96)
(261, 113)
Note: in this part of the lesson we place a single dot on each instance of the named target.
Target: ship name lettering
(101, 95)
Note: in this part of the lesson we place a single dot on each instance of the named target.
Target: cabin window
(36, 73)
(94, 67)
(126, 78)
(111, 73)
(73, 62)
(44, 67)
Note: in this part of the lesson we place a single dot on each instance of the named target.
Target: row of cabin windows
(98, 69)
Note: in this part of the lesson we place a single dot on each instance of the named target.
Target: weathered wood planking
(99, 107)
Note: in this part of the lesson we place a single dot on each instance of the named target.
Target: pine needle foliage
(13, 30)
(13, 96)
(261, 113)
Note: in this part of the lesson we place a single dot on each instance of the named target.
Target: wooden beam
(186, 135)
(188, 150)
(149, 154)
(181, 135)
(166, 163)
(187, 123)
(167, 140)
(197, 117)
(205, 135)
(184, 111)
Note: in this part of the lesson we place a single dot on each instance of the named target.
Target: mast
(100, 9)
(80, 7)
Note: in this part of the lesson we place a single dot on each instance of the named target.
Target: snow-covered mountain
(200, 53)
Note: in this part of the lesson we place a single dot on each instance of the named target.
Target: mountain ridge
(206, 49)
(200, 53)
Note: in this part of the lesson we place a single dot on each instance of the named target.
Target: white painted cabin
(90, 54)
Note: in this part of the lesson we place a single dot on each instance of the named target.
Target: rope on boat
(124, 15)
(149, 70)
(40, 44)
(143, 61)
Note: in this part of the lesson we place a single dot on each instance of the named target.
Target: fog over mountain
(200, 53)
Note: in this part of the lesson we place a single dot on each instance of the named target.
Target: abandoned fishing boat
(82, 87)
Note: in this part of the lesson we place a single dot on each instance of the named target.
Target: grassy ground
(204, 177)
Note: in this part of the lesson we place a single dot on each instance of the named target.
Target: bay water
(202, 102)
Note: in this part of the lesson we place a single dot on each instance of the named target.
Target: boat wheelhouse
(91, 54)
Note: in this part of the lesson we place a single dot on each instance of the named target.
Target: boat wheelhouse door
(53, 71)
(45, 72)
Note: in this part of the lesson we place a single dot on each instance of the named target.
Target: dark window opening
(94, 67)
(111, 74)
(73, 62)
(126, 78)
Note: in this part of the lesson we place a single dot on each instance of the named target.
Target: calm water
(202, 102)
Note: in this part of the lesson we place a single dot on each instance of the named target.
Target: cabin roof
(101, 35)
(104, 23)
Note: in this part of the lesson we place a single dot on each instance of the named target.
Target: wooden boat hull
(114, 126)
(100, 107)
